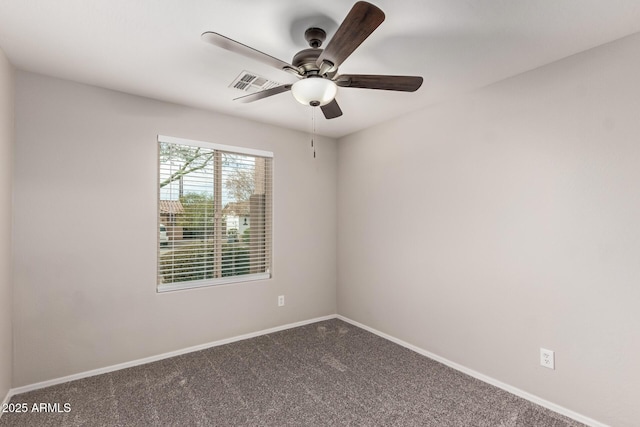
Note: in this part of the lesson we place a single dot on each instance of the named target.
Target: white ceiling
(153, 48)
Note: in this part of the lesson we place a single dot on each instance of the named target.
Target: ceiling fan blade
(383, 82)
(361, 21)
(263, 94)
(244, 50)
(331, 110)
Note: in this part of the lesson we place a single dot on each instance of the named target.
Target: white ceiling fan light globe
(314, 91)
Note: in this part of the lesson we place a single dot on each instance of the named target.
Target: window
(214, 214)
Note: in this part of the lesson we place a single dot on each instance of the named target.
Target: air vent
(251, 82)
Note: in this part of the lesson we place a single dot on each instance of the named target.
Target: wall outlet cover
(547, 358)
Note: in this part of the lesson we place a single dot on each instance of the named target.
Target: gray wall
(85, 231)
(6, 167)
(505, 221)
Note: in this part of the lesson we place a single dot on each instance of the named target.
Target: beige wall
(505, 221)
(6, 167)
(85, 231)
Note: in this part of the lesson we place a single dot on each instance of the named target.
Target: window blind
(214, 214)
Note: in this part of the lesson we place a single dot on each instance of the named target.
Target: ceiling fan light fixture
(314, 91)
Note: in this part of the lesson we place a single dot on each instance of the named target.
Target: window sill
(178, 286)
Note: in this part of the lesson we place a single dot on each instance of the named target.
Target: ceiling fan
(317, 68)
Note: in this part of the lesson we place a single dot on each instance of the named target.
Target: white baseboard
(513, 390)
(150, 359)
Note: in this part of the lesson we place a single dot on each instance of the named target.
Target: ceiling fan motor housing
(305, 60)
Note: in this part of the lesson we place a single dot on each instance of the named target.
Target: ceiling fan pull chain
(313, 130)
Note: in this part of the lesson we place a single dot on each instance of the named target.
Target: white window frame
(167, 287)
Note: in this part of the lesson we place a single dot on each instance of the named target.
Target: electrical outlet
(547, 358)
(280, 300)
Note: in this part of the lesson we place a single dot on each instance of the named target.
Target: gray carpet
(325, 374)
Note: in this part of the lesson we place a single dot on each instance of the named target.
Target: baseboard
(513, 390)
(55, 381)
